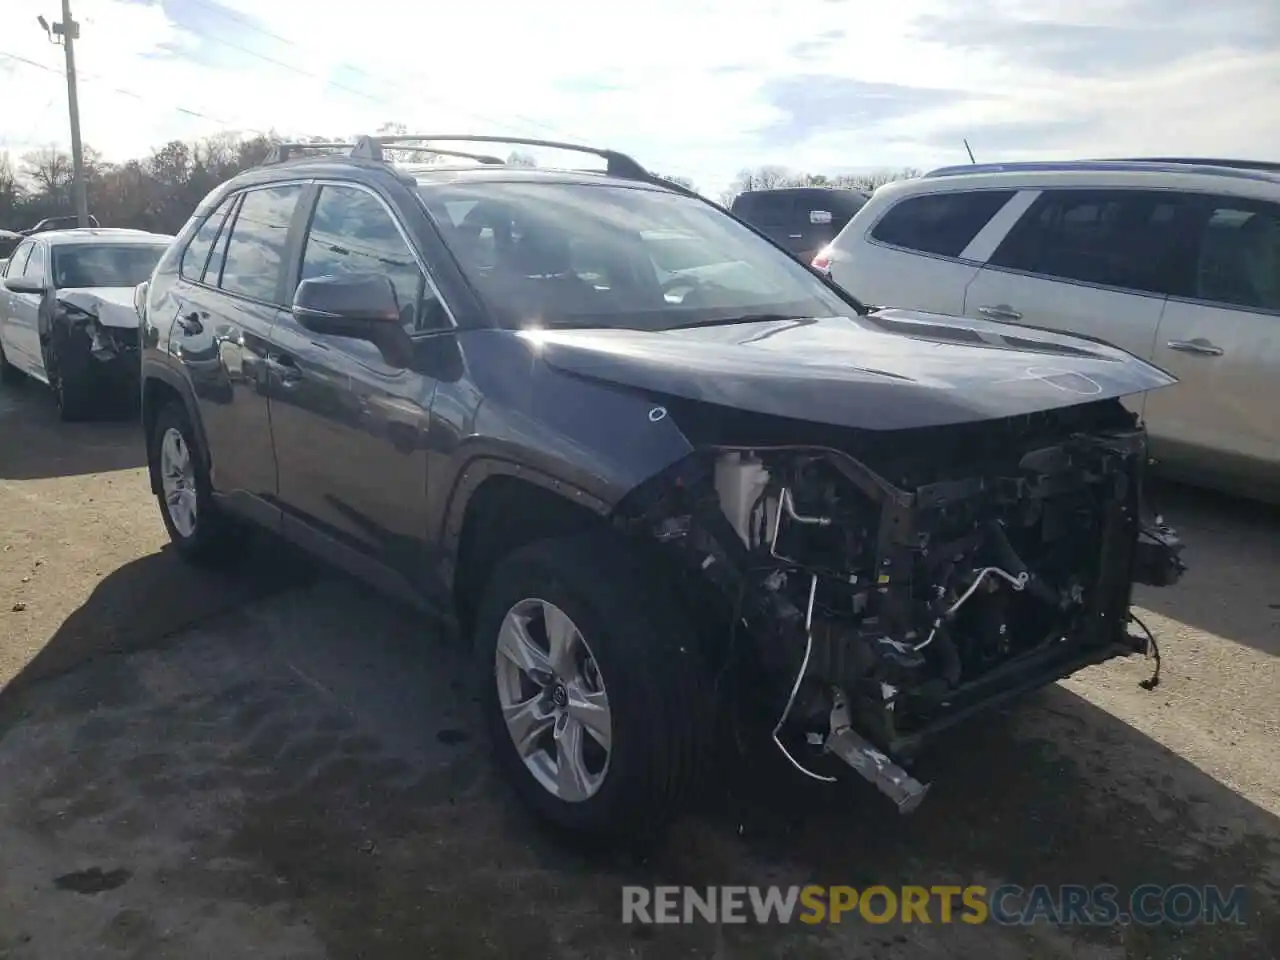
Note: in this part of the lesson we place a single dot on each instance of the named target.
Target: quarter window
(18, 261)
(939, 223)
(352, 232)
(1238, 256)
(256, 247)
(1116, 238)
(35, 266)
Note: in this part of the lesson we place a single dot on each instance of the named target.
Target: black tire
(9, 374)
(70, 378)
(216, 539)
(646, 653)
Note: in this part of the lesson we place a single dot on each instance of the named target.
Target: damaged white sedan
(67, 314)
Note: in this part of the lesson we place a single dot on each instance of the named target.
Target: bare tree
(518, 158)
(774, 177)
(679, 181)
(11, 191)
(50, 170)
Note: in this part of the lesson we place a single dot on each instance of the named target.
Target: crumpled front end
(100, 341)
(878, 588)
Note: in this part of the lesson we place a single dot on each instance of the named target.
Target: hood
(113, 306)
(889, 370)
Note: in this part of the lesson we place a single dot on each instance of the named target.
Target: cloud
(813, 104)
(699, 88)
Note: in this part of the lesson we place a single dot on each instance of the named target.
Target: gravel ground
(279, 763)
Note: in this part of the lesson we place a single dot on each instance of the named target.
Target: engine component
(740, 480)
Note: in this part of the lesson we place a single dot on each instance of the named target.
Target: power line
(221, 11)
(98, 81)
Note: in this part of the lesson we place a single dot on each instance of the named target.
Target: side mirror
(23, 285)
(361, 306)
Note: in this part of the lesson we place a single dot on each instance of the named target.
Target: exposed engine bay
(886, 586)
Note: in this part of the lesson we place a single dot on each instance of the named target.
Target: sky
(697, 88)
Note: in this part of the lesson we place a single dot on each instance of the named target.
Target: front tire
(69, 377)
(589, 687)
(201, 532)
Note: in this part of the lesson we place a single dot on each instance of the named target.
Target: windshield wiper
(740, 318)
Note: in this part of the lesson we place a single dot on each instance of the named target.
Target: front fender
(588, 441)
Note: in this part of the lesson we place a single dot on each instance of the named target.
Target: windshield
(564, 254)
(94, 265)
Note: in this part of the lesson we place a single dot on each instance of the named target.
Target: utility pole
(69, 31)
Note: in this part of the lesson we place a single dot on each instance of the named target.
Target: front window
(104, 265)
(560, 254)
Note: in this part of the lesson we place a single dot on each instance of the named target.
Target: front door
(25, 310)
(1221, 339)
(11, 309)
(350, 428)
(228, 305)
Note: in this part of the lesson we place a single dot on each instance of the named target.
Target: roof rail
(484, 158)
(1266, 165)
(616, 164)
(1242, 169)
(280, 152)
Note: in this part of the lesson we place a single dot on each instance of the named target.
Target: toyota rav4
(657, 498)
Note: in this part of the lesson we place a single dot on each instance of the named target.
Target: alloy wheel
(553, 700)
(178, 481)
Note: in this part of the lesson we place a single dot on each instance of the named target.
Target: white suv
(1176, 261)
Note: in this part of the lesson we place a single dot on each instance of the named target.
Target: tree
(679, 181)
(159, 192)
(775, 177)
(11, 191)
(50, 170)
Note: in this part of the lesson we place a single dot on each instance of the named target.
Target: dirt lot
(279, 763)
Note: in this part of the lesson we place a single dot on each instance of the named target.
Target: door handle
(795, 236)
(1000, 312)
(285, 370)
(1199, 346)
(190, 324)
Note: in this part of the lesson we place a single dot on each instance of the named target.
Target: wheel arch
(498, 506)
(161, 386)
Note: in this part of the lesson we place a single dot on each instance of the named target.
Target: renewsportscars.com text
(1007, 905)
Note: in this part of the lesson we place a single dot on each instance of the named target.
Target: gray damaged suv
(675, 504)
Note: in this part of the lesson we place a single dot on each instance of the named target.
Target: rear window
(939, 223)
(766, 209)
(105, 265)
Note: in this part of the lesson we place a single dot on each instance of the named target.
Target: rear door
(1220, 336)
(1087, 261)
(234, 282)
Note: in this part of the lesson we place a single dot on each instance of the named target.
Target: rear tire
(201, 533)
(639, 659)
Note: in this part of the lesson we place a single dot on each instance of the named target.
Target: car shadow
(149, 600)
(1233, 551)
(35, 444)
(333, 692)
(1053, 790)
